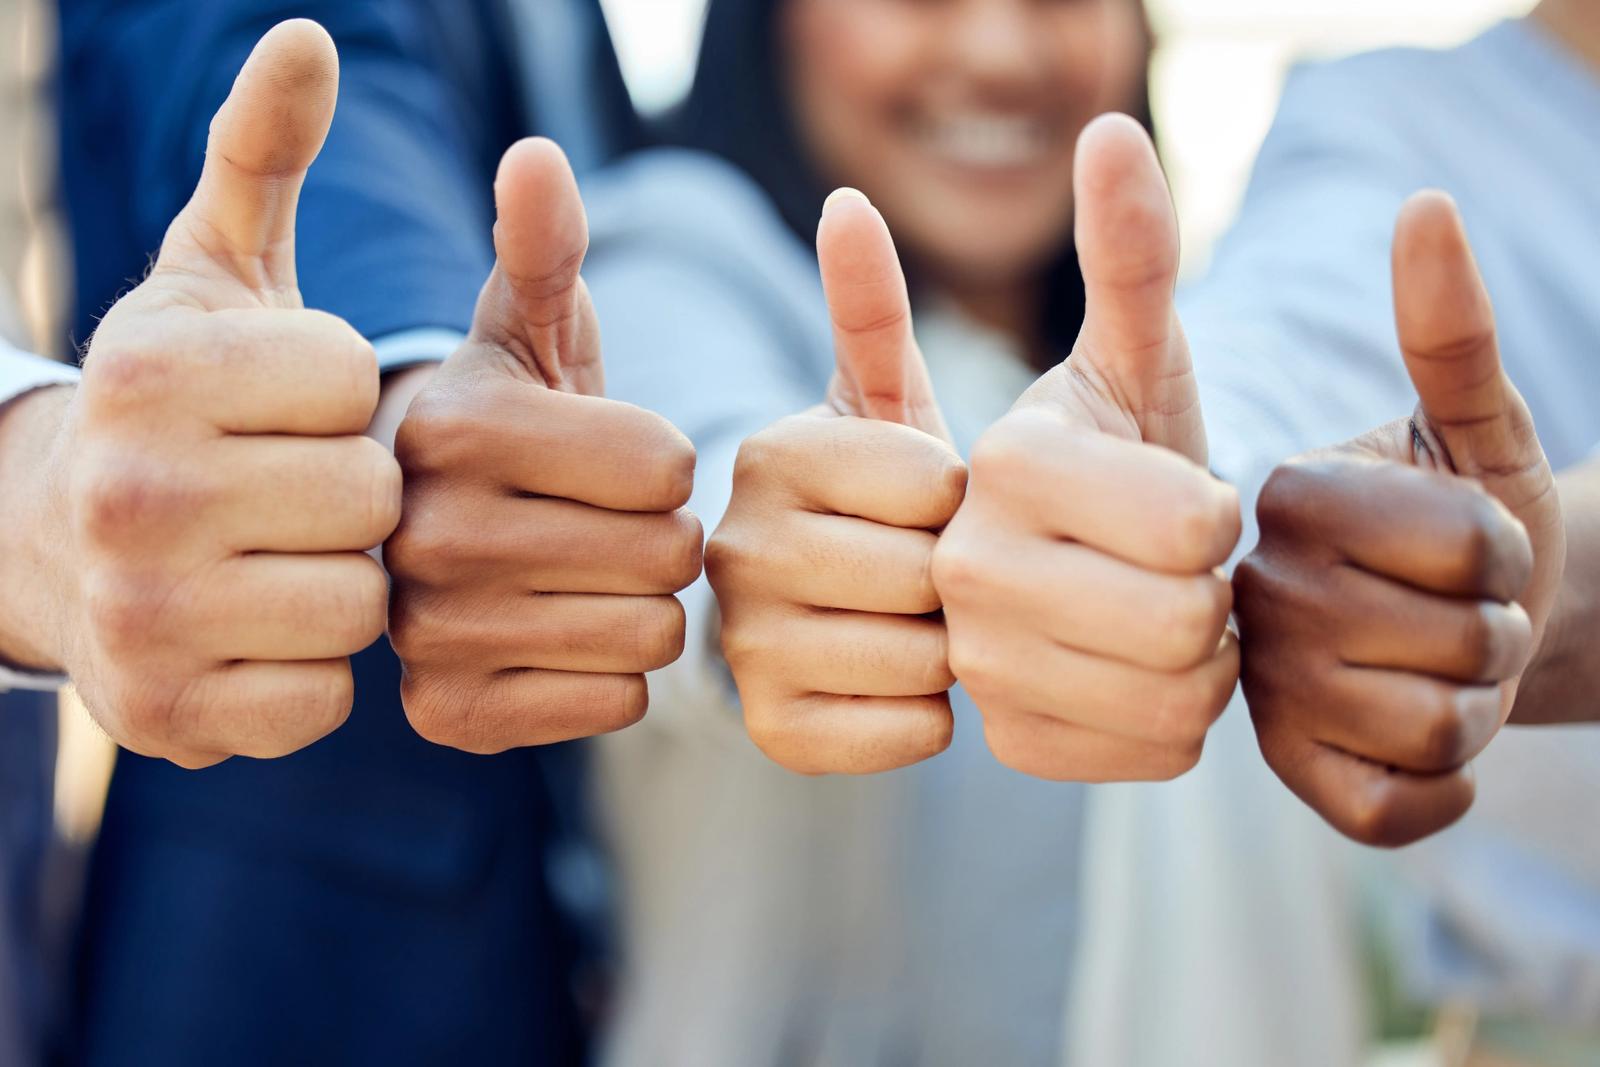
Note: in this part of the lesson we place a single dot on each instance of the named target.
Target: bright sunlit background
(1216, 81)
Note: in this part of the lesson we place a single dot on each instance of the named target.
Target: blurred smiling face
(958, 117)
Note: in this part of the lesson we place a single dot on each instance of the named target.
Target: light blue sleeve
(1292, 329)
(1294, 343)
(722, 347)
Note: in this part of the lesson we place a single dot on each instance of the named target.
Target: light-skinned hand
(822, 564)
(1086, 615)
(544, 531)
(197, 523)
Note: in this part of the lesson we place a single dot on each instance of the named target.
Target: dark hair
(738, 109)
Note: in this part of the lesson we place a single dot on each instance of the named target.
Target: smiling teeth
(988, 142)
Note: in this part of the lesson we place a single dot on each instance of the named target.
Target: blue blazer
(375, 898)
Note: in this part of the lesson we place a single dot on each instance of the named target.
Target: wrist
(32, 539)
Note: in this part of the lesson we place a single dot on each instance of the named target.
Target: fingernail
(842, 194)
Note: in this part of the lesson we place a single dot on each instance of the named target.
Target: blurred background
(1230, 56)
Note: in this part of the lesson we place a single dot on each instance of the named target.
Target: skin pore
(959, 118)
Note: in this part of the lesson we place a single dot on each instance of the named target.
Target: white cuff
(409, 348)
(38, 683)
(22, 373)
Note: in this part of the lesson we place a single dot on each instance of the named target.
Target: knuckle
(1003, 745)
(777, 732)
(360, 606)
(423, 549)
(728, 557)
(115, 499)
(324, 698)
(974, 662)
(147, 716)
(1252, 578)
(1004, 454)
(412, 632)
(960, 569)
(1194, 621)
(745, 646)
(1017, 749)
(1278, 505)
(931, 732)
(384, 488)
(623, 700)
(1493, 554)
(1185, 709)
(353, 356)
(1444, 734)
(127, 368)
(947, 480)
(438, 434)
(658, 632)
(1198, 525)
(682, 551)
(440, 712)
(120, 611)
(195, 761)
(1276, 743)
(672, 464)
(1374, 815)
(1478, 641)
(922, 594)
(934, 664)
(1176, 761)
(329, 704)
(1476, 559)
(766, 451)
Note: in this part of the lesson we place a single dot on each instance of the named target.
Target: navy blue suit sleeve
(396, 219)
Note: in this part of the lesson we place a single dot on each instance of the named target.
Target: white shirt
(22, 373)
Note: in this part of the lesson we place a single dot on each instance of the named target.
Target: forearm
(1562, 685)
(29, 543)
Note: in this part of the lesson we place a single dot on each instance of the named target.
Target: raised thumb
(1468, 406)
(1447, 335)
(262, 141)
(880, 373)
(1128, 250)
(535, 304)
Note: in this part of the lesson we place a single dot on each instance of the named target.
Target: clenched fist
(202, 517)
(543, 534)
(1403, 579)
(1078, 579)
(822, 563)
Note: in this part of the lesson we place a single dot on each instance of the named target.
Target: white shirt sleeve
(22, 373)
